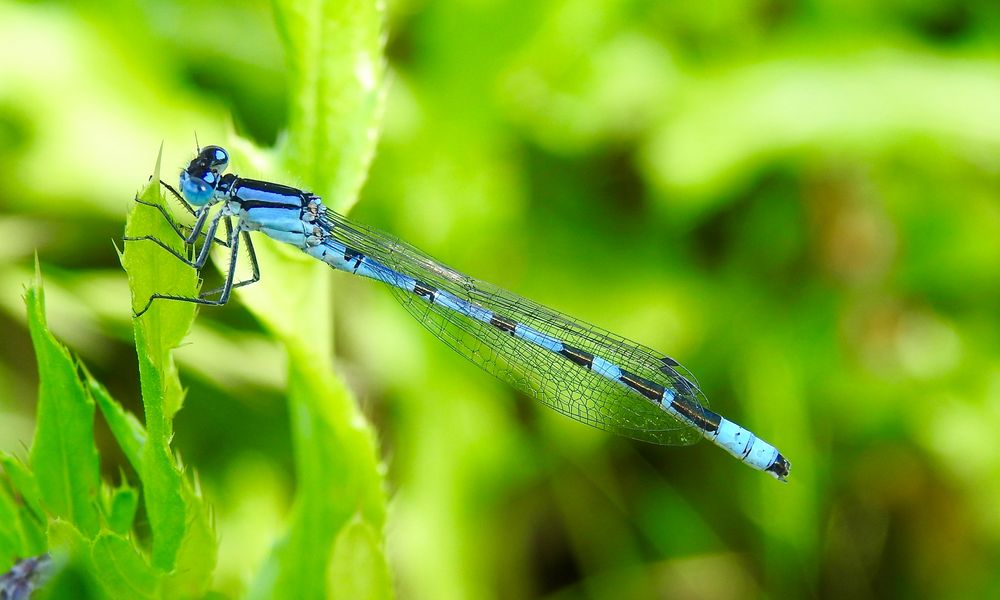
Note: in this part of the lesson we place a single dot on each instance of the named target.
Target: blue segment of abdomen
(606, 369)
(537, 338)
(468, 309)
(340, 257)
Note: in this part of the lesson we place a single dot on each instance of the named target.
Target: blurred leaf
(338, 476)
(24, 482)
(334, 52)
(120, 507)
(63, 456)
(357, 569)
(69, 582)
(121, 569)
(71, 552)
(198, 552)
(728, 126)
(22, 521)
(12, 541)
(127, 430)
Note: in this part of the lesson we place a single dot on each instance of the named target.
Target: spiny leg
(178, 197)
(255, 269)
(187, 239)
(166, 217)
(192, 236)
(200, 214)
(199, 262)
(149, 238)
(194, 213)
(227, 288)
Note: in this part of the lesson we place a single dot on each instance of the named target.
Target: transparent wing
(555, 381)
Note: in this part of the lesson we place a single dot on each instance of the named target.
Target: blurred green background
(799, 201)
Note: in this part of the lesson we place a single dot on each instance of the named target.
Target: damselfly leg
(232, 242)
(254, 268)
(180, 228)
(198, 262)
(227, 286)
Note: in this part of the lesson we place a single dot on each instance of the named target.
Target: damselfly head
(202, 175)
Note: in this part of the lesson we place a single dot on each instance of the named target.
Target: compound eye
(215, 157)
(197, 190)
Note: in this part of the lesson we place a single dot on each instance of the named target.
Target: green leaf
(120, 505)
(157, 332)
(11, 538)
(152, 269)
(338, 474)
(122, 570)
(24, 482)
(21, 523)
(357, 569)
(196, 554)
(69, 582)
(336, 70)
(184, 542)
(63, 456)
(75, 567)
(127, 430)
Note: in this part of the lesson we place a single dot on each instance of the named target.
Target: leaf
(121, 569)
(63, 456)
(127, 430)
(357, 569)
(11, 538)
(183, 540)
(334, 51)
(196, 554)
(75, 567)
(336, 73)
(152, 269)
(119, 508)
(338, 474)
(21, 523)
(24, 482)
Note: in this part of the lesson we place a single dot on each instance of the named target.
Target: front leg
(178, 197)
(197, 263)
(227, 288)
(179, 229)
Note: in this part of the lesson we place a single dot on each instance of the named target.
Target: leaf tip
(34, 297)
(159, 160)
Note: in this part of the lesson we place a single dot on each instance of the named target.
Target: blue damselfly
(578, 369)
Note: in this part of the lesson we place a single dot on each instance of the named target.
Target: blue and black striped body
(576, 368)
